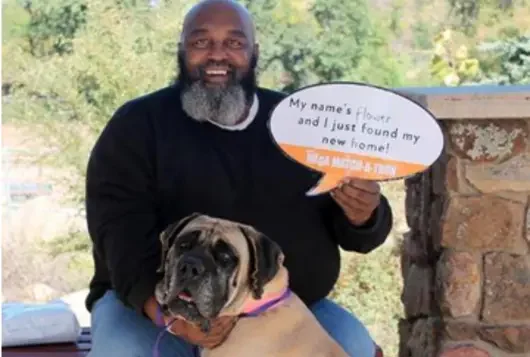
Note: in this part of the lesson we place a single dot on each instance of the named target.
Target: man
(202, 145)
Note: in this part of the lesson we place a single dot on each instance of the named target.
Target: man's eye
(200, 43)
(235, 43)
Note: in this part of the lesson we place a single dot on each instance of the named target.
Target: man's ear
(168, 235)
(255, 57)
(264, 260)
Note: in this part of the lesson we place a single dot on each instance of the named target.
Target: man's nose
(190, 267)
(217, 52)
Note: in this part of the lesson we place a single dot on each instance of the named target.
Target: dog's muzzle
(190, 268)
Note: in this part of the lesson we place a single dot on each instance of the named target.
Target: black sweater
(153, 165)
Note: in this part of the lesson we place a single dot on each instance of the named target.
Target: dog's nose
(190, 267)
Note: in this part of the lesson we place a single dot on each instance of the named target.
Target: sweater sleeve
(361, 239)
(120, 204)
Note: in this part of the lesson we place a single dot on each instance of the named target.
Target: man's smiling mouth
(216, 72)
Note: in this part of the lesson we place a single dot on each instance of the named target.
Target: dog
(215, 267)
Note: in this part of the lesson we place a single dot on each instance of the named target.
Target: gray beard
(225, 106)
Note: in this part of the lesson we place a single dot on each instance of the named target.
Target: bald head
(223, 12)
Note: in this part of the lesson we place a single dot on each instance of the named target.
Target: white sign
(356, 130)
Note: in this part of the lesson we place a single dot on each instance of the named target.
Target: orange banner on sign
(337, 165)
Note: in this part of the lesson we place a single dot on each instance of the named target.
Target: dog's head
(211, 266)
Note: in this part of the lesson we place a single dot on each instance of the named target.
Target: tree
(451, 63)
(118, 54)
(286, 32)
(506, 61)
(53, 25)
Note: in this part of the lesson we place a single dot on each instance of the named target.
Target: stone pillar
(466, 260)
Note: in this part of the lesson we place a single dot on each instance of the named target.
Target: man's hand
(220, 328)
(357, 198)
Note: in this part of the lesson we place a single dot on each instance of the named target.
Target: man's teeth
(216, 72)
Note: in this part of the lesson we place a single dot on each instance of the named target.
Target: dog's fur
(223, 265)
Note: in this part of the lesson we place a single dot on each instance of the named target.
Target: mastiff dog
(215, 267)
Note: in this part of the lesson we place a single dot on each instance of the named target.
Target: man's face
(217, 59)
(217, 54)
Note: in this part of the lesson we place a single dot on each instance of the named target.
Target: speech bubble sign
(357, 130)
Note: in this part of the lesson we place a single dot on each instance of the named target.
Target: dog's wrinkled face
(211, 265)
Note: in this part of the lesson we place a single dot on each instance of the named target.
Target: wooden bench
(79, 349)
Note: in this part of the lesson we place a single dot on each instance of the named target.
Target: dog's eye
(184, 245)
(225, 257)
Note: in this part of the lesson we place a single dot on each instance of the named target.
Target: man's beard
(226, 104)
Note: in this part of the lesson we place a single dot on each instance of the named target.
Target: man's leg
(345, 328)
(119, 331)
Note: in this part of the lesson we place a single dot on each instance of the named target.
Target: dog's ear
(264, 260)
(168, 235)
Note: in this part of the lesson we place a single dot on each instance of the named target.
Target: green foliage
(503, 62)
(422, 35)
(370, 287)
(344, 29)
(73, 242)
(465, 14)
(506, 62)
(327, 40)
(53, 25)
(352, 45)
(284, 31)
(451, 63)
(117, 55)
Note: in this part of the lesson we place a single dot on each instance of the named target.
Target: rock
(423, 339)
(416, 295)
(486, 140)
(511, 175)
(459, 330)
(451, 174)
(404, 328)
(528, 225)
(415, 250)
(451, 178)
(465, 351)
(485, 223)
(506, 288)
(512, 196)
(435, 225)
(413, 198)
(458, 283)
(513, 339)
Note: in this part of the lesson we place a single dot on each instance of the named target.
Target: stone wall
(466, 258)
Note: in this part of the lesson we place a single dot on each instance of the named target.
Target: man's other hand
(357, 198)
(220, 328)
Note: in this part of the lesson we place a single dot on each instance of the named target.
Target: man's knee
(121, 343)
(345, 328)
(120, 330)
(115, 328)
